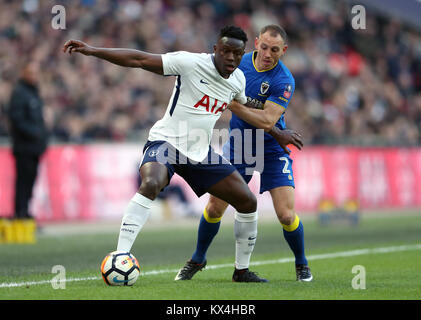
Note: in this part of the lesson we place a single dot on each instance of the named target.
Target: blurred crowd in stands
(356, 87)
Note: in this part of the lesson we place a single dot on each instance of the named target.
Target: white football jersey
(199, 97)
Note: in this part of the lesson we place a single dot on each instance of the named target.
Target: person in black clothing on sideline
(29, 141)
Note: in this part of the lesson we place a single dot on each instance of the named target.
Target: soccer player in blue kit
(269, 87)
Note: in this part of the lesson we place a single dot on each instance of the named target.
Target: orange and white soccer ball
(120, 269)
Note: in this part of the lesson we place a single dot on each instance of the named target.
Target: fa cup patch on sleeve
(287, 91)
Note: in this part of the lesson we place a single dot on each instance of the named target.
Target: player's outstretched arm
(266, 119)
(123, 57)
(263, 119)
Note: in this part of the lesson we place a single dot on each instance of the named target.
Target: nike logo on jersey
(203, 81)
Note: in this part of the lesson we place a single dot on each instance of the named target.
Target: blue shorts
(277, 169)
(199, 175)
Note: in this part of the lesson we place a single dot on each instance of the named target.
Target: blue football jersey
(276, 85)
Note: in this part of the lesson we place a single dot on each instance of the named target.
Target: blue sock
(294, 235)
(208, 228)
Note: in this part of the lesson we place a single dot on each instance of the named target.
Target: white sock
(245, 231)
(135, 216)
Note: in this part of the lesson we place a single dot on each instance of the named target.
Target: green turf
(393, 275)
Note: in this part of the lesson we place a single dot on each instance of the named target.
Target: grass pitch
(387, 247)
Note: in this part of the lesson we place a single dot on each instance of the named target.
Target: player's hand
(286, 137)
(77, 46)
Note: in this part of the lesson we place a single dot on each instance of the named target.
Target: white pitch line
(341, 254)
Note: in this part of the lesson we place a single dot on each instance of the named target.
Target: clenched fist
(77, 46)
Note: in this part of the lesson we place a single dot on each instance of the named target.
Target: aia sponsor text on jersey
(214, 107)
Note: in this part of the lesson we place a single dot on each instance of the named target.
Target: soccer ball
(120, 269)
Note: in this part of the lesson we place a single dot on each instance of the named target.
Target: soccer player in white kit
(180, 141)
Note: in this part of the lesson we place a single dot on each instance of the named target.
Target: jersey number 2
(285, 169)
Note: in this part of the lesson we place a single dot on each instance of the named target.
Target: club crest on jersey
(153, 153)
(264, 87)
(287, 91)
(214, 107)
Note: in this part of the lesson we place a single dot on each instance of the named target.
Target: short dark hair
(233, 32)
(274, 30)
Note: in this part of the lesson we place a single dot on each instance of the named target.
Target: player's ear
(214, 48)
(256, 42)
(284, 49)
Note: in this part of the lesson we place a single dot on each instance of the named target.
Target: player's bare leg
(284, 203)
(216, 207)
(283, 199)
(154, 178)
(233, 190)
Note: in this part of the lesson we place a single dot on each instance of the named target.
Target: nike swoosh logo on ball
(116, 280)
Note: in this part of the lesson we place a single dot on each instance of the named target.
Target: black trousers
(26, 173)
